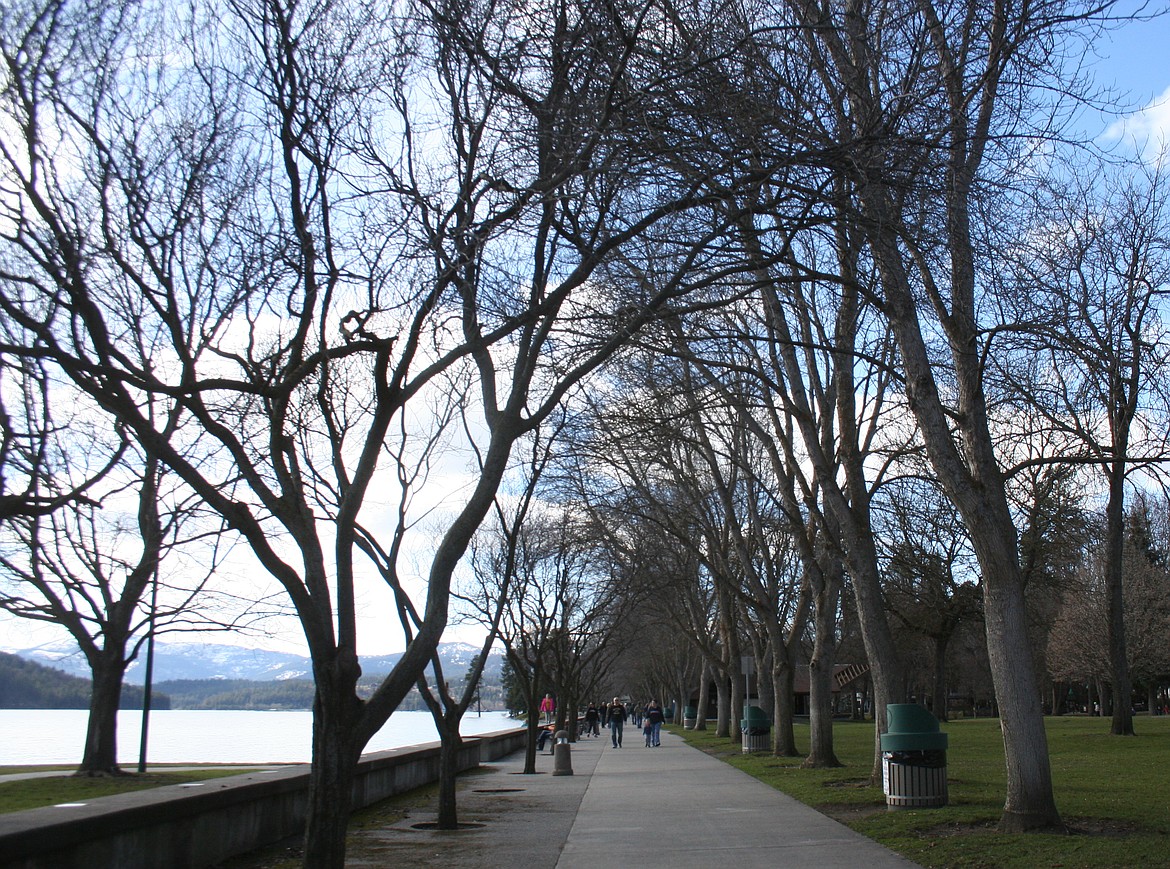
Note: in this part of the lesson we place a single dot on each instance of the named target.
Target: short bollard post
(562, 754)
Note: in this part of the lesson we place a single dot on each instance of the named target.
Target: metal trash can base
(910, 780)
(757, 742)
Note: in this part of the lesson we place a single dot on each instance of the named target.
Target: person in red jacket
(548, 708)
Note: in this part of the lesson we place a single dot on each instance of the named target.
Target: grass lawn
(1111, 793)
(33, 793)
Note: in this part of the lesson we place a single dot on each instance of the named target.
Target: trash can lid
(911, 728)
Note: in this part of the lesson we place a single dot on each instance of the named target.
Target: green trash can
(914, 759)
(756, 729)
(690, 716)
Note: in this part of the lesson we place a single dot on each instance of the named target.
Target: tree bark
(784, 680)
(723, 701)
(1029, 804)
(100, 756)
(452, 742)
(335, 756)
(704, 697)
(938, 691)
(827, 590)
(1122, 718)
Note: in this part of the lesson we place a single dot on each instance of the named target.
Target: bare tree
(95, 566)
(1078, 650)
(530, 617)
(760, 519)
(633, 466)
(925, 116)
(932, 581)
(1147, 593)
(292, 222)
(1096, 273)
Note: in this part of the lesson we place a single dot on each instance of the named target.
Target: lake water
(57, 736)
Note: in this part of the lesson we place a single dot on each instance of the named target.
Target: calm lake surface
(52, 736)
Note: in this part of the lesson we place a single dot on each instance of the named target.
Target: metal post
(562, 754)
(148, 681)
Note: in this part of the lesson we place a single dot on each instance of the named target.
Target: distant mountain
(198, 661)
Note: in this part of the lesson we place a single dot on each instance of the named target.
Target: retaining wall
(199, 824)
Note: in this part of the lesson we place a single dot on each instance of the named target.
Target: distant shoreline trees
(29, 685)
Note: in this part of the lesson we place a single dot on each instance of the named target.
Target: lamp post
(146, 687)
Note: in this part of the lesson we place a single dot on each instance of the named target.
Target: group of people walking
(614, 716)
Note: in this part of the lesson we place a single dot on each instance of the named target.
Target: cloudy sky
(1132, 60)
(1136, 60)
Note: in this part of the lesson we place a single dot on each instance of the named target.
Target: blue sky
(1135, 58)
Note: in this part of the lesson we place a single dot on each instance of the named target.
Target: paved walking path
(675, 806)
(672, 807)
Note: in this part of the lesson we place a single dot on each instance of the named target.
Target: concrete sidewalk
(675, 806)
(672, 806)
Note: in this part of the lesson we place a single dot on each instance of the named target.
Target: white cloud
(1146, 131)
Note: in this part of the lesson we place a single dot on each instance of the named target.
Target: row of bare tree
(694, 513)
(290, 262)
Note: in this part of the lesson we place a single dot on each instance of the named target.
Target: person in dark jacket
(616, 716)
(655, 719)
(591, 719)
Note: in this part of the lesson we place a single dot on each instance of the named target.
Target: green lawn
(1111, 792)
(16, 796)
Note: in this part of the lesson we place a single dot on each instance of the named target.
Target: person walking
(654, 719)
(591, 716)
(616, 715)
(548, 708)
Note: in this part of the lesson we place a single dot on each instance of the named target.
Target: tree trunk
(1122, 719)
(821, 753)
(335, 757)
(784, 682)
(704, 697)
(530, 746)
(1029, 804)
(939, 686)
(100, 756)
(766, 685)
(820, 673)
(532, 697)
(681, 692)
(448, 777)
(880, 651)
(970, 474)
(866, 699)
(723, 691)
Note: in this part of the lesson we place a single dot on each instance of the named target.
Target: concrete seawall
(196, 825)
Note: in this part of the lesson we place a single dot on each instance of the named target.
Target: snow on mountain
(223, 661)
